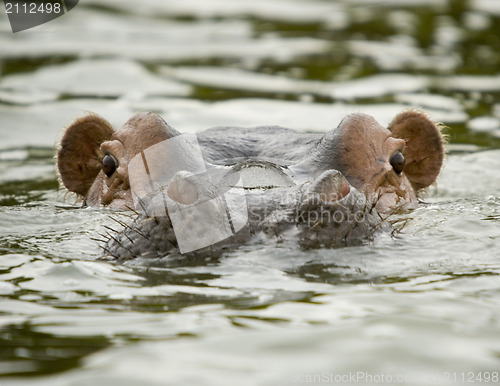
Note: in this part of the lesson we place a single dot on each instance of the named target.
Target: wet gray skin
(199, 196)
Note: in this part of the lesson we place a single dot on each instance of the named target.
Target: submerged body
(203, 193)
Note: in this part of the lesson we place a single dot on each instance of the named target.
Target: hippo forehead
(140, 132)
(363, 148)
(361, 131)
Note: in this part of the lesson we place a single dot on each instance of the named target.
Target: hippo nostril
(109, 165)
(398, 162)
(182, 191)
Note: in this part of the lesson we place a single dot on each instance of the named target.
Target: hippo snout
(214, 211)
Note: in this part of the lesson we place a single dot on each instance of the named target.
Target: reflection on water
(423, 302)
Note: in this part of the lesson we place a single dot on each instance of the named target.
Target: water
(418, 307)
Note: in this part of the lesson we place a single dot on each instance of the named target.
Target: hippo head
(93, 158)
(389, 165)
(322, 194)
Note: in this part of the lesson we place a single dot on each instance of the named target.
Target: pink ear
(78, 158)
(424, 150)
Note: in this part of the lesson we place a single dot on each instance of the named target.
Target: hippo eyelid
(109, 164)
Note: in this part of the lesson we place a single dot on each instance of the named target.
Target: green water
(418, 307)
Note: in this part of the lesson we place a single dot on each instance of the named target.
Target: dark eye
(109, 165)
(398, 162)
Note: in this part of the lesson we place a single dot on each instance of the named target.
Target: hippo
(201, 194)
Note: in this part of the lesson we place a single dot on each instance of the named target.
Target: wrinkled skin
(323, 190)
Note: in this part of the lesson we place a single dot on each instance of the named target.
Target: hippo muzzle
(213, 211)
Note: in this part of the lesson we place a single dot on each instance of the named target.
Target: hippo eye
(109, 165)
(398, 162)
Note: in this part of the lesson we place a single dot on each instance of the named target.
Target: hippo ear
(424, 149)
(78, 158)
